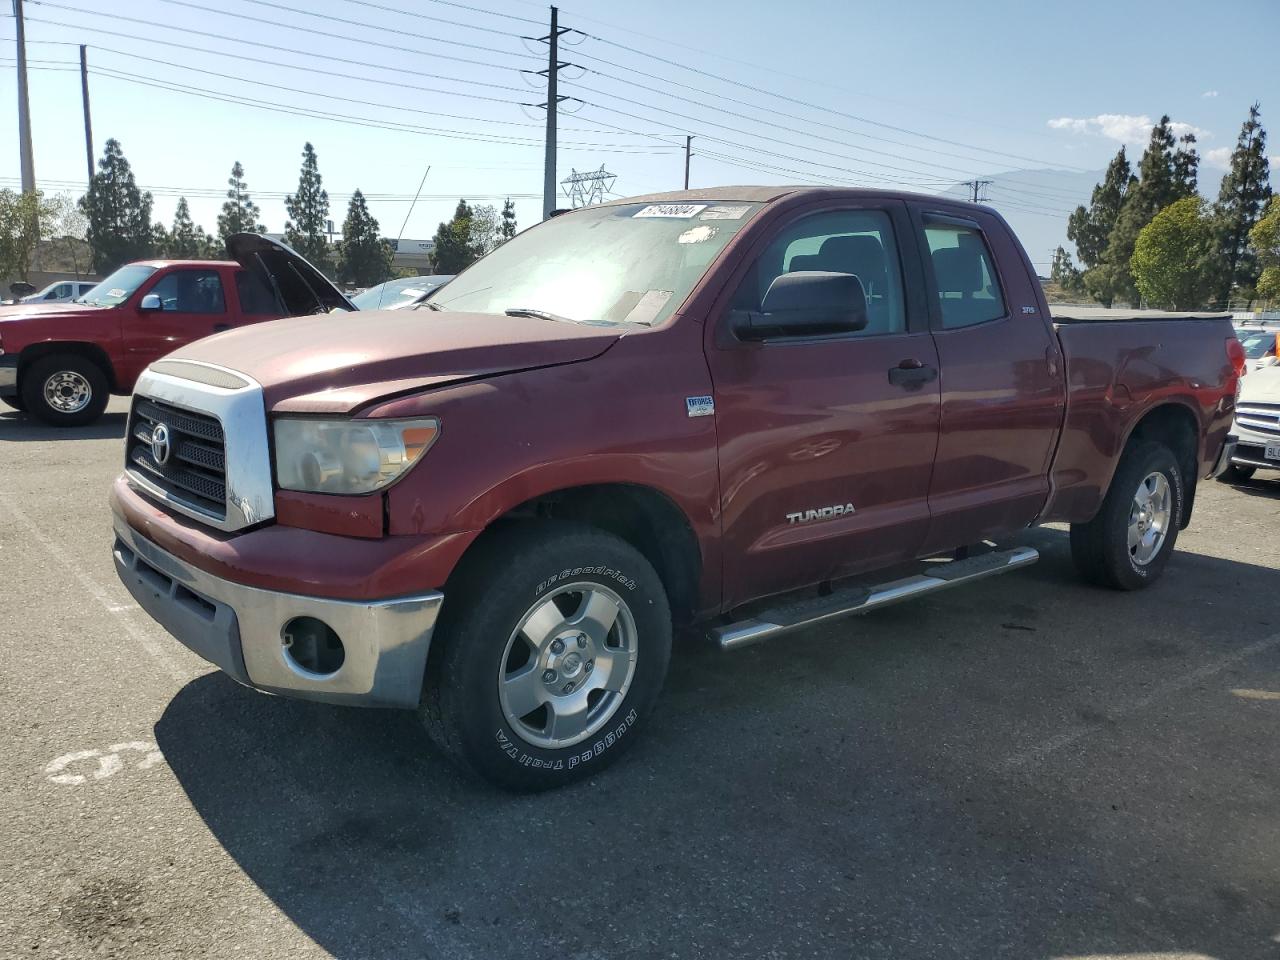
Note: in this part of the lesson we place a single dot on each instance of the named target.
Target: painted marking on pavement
(110, 762)
(96, 590)
(1176, 685)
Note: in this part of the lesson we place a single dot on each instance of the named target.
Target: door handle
(912, 374)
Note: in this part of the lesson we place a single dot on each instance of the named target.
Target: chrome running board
(861, 599)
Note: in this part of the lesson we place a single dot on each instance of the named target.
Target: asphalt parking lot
(1027, 768)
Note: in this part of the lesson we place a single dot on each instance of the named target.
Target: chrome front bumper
(240, 629)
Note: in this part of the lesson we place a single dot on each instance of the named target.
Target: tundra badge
(821, 513)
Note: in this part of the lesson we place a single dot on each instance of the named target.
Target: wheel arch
(89, 351)
(642, 516)
(1176, 425)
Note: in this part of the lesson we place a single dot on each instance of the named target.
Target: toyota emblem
(160, 448)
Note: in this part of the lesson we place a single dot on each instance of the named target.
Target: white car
(1257, 425)
(61, 291)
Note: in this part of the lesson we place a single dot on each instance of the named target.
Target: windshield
(118, 287)
(632, 263)
(395, 294)
(1259, 343)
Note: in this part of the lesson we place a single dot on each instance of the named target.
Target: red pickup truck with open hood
(738, 406)
(61, 361)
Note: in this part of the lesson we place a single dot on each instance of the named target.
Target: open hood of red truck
(337, 363)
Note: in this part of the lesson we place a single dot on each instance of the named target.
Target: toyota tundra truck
(751, 408)
(60, 362)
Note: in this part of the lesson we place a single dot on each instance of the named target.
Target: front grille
(195, 472)
(1259, 417)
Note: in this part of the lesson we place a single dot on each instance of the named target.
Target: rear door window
(964, 272)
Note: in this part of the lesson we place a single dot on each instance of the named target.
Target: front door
(1003, 392)
(193, 305)
(825, 455)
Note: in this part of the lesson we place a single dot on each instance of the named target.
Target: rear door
(193, 305)
(825, 454)
(1003, 391)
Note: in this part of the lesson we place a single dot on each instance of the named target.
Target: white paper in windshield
(675, 211)
(725, 213)
(648, 307)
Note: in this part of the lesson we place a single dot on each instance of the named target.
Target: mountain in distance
(1037, 204)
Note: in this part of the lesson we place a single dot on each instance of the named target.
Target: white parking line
(1176, 685)
(97, 591)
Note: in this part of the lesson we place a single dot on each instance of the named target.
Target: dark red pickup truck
(736, 406)
(61, 361)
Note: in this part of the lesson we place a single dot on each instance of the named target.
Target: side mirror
(806, 303)
(151, 302)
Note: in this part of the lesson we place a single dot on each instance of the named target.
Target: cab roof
(767, 194)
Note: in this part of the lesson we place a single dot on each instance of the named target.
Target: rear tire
(64, 390)
(552, 648)
(1237, 474)
(1127, 545)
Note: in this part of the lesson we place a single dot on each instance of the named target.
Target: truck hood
(1261, 386)
(338, 363)
(44, 311)
(300, 286)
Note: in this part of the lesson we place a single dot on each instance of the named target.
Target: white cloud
(1209, 94)
(1122, 127)
(1219, 157)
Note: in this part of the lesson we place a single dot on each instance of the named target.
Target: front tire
(15, 400)
(64, 390)
(1127, 545)
(552, 648)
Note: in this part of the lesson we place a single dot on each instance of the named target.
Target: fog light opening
(312, 645)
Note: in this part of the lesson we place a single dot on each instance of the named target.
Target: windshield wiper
(429, 304)
(538, 314)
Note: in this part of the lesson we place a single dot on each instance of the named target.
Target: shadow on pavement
(19, 428)
(846, 794)
(1265, 484)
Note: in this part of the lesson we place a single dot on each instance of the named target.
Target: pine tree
(1162, 179)
(1186, 166)
(308, 212)
(119, 213)
(1245, 192)
(365, 258)
(1090, 228)
(185, 240)
(508, 228)
(454, 250)
(239, 213)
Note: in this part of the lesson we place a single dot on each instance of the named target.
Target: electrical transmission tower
(584, 189)
(978, 190)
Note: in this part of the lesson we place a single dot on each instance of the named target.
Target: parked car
(1257, 425)
(737, 406)
(60, 361)
(1259, 344)
(399, 294)
(61, 291)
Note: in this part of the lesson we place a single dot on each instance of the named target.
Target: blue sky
(917, 94)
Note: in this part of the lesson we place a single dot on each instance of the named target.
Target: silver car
(1257, 424)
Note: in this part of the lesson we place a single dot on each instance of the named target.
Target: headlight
(348, 456)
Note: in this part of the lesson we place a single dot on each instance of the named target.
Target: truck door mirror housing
(151, 302)
(806, 303)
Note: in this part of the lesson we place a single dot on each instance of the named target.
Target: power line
(813, 106)
(379, 6)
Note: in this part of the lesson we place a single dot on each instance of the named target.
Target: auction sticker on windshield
(678, 211)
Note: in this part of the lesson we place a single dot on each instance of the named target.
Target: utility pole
(977, 190)
(24, 106)
(554, 66)
(688, 142)
(88, 123)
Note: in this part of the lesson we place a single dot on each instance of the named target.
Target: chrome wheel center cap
(571, 666)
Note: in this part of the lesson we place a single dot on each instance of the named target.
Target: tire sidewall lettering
(582, 753)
